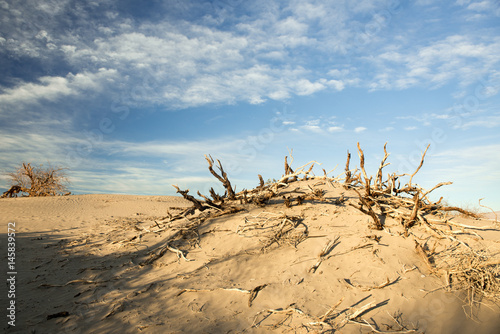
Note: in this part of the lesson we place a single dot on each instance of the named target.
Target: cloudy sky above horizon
(130, 95)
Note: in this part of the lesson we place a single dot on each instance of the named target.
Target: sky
(130, 95)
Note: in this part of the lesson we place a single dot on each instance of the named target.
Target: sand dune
(85, 265)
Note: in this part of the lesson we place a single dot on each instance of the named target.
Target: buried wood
(325, 316)
(253, 293)
(324, 252)
(423, 255)
(373, 287)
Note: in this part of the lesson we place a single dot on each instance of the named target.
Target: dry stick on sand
(324, 252)
(253, 293)
(162, 251)
(325, 316)
(361, 310)
(366, 323)
(420, 251)
(374, 287)
(290, 310)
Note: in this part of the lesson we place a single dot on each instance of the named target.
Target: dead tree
(38, 181)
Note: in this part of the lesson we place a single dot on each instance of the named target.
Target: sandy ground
(82, 267)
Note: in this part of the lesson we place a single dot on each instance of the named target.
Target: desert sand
(102, 264)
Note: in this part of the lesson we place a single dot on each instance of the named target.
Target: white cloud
(53, 88)
(313, 126)
(487, 121)
(360, 129)
(335, 129)
(459, 57)
(305, 87)
(479, 163)
(204, 61)
(482, 6)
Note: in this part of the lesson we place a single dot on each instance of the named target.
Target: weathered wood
(184, 193)
(378, 180)
(348, 175)
(369, 211)
(261, 181)
(13, 191)
(222, 178)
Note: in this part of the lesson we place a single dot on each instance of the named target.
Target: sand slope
(85, 255)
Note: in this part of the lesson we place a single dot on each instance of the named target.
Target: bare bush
(38, 181)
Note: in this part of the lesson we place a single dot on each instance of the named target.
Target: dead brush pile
(463, 267)
(475, 275)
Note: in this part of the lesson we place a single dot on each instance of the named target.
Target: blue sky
(130, 95)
